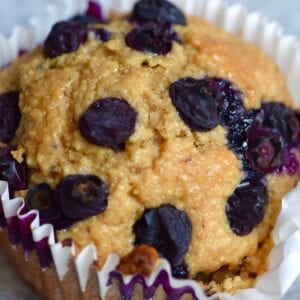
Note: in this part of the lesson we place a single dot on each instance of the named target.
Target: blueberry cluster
(154, 31)
(67, 36)
(169, 231)
(263, 139)
(76, 197)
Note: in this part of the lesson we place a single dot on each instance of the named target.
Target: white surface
(286, 12)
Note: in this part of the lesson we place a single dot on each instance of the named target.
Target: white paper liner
(284, 259)
(27, 38)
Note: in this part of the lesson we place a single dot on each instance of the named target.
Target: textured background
(287, 13)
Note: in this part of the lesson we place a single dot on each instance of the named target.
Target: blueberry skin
(41, 197)
(152, 37)
(168, 230)
(15, 173)
(10, 116)
(197, 108)
(265, 151)
(108, 122)
(245, 209)
(282, 120)
(81, 196)
(157, 10)
(65, 37)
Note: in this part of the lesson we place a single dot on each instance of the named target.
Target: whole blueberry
(15, 173)
(157, 10)
(245, 209)
(41, 197)
(282, 120)
(152, 37)
(65, 37)
(196, 107)
(81, 196)
(108, 122)
(167, 229)
(10, 115)
(264, 152)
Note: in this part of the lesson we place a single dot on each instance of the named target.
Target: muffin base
(48, 285)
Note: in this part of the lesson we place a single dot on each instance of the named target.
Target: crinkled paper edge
(284, 259)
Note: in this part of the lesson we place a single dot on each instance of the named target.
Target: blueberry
(81, 196)
(152, 37)
(9, 115)
(197, 108)
(281, 119)
(157, 10)
(167, 229)
(245, 209)
(41, 198)
(180, 271)
(265, 152)
(102, 34)
(65, 37)
(228, 99)
(108, 122)
(15, 173)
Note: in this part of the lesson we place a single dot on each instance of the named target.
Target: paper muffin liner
(58, 270)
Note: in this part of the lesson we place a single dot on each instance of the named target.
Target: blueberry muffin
(153, 131)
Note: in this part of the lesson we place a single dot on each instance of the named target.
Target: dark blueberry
(167, 229)
(94, 10)
(15, 173)
(227, 97)
(152, 37)
(102, 34)
(245, 209)
(81, 196)
(197, 108)
(264, 152)
(180, 271)
(9, 115)
(65, 37)
(250, 173)
(108, 122)
(157, 10)
(41, 198)
(281, 119)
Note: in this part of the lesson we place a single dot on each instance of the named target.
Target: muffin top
(155, 129)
